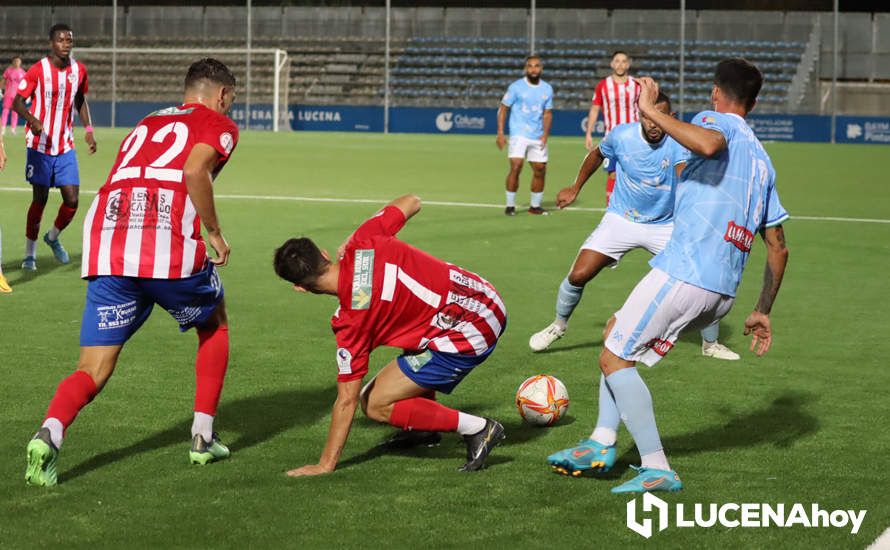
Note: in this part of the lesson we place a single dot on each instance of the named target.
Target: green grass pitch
(806, 423)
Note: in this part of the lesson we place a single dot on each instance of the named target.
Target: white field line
(882, 542)
(448, 203)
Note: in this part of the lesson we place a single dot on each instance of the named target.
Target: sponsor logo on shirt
(739, 236)
(708, 119)
(344, 361)
(362, 279)
(659, 346)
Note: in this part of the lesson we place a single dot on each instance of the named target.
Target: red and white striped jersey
(142, 222)
(619, 101)
(392, 294)
(52, 92)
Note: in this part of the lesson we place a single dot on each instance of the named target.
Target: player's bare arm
(2, 155)
(83, 110)
(501, 140)
(758, 323)
(341, 422)
(409, 205)
(701, 141)
(592, 115)
(18, 105)
(197, 172)
(547, 122)
(591, 164)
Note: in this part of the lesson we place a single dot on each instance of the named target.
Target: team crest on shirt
(363, 279)
(665, 163)
(226, 142)
(71, 78)
(739, 236)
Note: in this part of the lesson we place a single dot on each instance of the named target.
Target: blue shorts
(52, 170)
(117, 306)
(439, 371)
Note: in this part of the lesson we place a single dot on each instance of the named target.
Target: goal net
(132, 78)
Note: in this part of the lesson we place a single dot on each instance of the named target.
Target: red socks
(35, 214)
(64, 217)
(210, 368)
(422, 414)
(72, 395)
(610, 186)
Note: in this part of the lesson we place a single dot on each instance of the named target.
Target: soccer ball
(542, 400)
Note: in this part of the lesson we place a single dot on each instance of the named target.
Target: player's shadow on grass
(18, 276)
(255, 419)
(780, 424)
(594, 345)
(452, 446)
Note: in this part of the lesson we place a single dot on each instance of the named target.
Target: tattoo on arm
(777, 256)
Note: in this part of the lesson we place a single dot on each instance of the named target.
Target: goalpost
(155, 75)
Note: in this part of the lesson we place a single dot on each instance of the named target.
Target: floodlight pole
(113, 63)
(247, 95)
(682, 58)
(386, 52)
(531, 30)
(834, 75)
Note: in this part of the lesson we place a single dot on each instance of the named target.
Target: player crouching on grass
(447, 319)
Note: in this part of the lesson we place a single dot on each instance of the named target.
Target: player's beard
(533, 79)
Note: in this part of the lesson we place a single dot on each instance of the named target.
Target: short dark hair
(58, 27)
(209, 69)
(300, 261)
(532, 56)
(663, 98)
(620, 52)
(740, 80)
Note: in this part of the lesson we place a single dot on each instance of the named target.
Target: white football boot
(542, 340)
(718, 351)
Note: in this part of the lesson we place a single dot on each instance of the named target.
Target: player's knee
(377, 410)
(580, 276)
(70, 202)
(540, 170)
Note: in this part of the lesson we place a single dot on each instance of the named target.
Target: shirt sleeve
(598, 94)
(387, 222)
(680, 154)
(84, 81)
(607, 146)
(774, 213)
(29, 82)
(713, 120)
(548, 104)
(353, 345)
(220, 133)
(510, 97)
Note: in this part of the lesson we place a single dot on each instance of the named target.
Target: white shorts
(524, 148)
(658, 308)
(616, 235)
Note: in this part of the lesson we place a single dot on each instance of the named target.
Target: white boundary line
(882, 542)
(448, 203)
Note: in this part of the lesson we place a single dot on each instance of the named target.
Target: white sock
(30, 248)
(467, 424)
(56, 431)
(511, 198)
(536, 199)
(657, 460)
(203, 424)
(604, 436)
(54, 233)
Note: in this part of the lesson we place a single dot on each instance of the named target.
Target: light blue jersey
(722, 202)
(645, 174)
(527, 105)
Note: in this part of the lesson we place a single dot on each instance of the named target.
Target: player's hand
(566, 197)
(758, 324)
(588, 143)
(501, 141)
(91, 141)
(220, 246)
(648, 93)
(544, 141)
(309, 470)
(36, 128)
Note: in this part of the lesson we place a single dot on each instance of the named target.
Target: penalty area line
(342, 200)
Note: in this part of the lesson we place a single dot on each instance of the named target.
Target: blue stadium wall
(430, 120)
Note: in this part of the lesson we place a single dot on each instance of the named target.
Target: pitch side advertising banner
(433, 120)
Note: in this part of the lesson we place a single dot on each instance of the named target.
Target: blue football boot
(589, 455)
(649, 480)
(58, 250)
